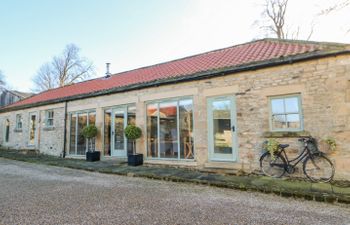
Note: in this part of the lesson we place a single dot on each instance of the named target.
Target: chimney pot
(108, 74)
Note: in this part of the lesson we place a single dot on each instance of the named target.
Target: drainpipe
(65, 130)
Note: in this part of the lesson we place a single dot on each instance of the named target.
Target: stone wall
(48, 140)
(323, 84)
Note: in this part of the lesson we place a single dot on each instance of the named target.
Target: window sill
(17, 130)
(48, 128)
(282, 134)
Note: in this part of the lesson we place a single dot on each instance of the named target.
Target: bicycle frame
(306, 152)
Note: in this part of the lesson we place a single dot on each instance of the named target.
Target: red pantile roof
(258, 51)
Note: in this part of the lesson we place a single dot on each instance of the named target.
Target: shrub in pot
(132, 133)
(90, 132)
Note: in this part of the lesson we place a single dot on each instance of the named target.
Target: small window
(19, 122)
(286, 113)
(7, 130)
(49, 118)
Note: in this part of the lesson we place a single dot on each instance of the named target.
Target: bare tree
(274, 21)
(65, 69)
(2, 79)
(335, 7)
(275, 10)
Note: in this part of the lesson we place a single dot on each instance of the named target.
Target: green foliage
(271, 145)
(132, 132)
(89, 131)
(331, 142)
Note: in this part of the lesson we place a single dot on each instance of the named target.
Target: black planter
(135, 159)
(93, 156)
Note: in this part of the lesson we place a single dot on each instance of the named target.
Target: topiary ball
(132, 132)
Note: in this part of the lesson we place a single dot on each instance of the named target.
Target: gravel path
(37, 194)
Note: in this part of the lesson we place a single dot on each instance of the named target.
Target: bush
(132, 132)
(89, 131)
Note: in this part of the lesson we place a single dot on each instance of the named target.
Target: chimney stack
(108, 74)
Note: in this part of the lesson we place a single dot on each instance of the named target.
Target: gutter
(192, 77)
(65, 131)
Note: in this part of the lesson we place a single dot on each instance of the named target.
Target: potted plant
(132, 133)
(271, 145)
(90, 132)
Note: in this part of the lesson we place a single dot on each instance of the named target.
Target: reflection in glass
(131, 121)
(222, 134)
(72, 144)
(186, 129)
(292, 105)
(285, 113)
(168, 130)
(81, 144)
(119, 130)
(107, 133)
(152, 130)
(32, 129)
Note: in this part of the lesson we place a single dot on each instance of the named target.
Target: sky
(135, 33)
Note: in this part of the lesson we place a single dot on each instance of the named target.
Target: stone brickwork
(323, 85)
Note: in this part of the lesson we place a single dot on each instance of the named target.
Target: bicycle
(316, 166)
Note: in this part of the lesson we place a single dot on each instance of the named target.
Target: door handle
(233, 128)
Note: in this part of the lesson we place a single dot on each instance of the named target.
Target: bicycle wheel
(272, 166)
(318, 168)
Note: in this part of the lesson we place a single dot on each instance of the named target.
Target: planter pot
(93, 156)
(135, 159)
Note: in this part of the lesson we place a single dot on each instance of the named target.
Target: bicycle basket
(312, 145)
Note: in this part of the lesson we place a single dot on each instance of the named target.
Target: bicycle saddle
(284, 145)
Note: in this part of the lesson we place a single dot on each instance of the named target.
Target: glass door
(118, 139)
(222, 136)
(32, 129)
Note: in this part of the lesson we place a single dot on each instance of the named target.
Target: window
(286, 113)
(170, 129)
(49, 118)
(19, 122)
(78, 144)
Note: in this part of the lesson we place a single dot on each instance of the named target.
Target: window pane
(277, 106)
(152, 130)
(279, 122)
(186, 129)
(81, 145)
(72, 134)
(119, 130)
(222, 134)
(292, 105)
(293, 121)
(32, 129)
(92, 118)
(168, 130)
(131, 121)
(107, 133)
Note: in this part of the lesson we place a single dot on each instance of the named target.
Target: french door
(222, 135)
(118, 140)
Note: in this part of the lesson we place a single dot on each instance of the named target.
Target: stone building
(211, 110)
(8, 97)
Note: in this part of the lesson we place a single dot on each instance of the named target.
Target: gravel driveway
(37, 194)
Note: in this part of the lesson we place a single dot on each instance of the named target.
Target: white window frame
(87, 113)
(157, 102)
(300, 112)
(19, 121)
(48, 118)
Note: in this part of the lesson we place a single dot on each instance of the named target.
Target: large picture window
(286, 113)
(78, 144)
(170, 129)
